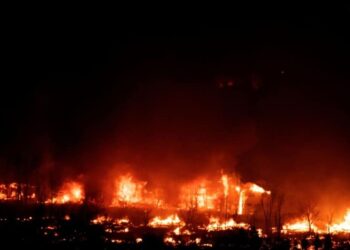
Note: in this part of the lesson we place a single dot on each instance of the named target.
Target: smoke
(169, 134)
(157, 112)
(285, 136)
(302, 145)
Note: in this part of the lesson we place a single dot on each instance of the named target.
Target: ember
(168, 221)
(216, 225)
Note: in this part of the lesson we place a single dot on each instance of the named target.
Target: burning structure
(221, 199)
(125, 137)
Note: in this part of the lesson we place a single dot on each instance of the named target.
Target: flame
(303, 226)
(205, 200)
(201, 197)
(128, 191)
(344, 226)
(299, 226)
(69, 192)
(216, 225)
(168, 221)
(3, 195)
(202, 194)
(100, 219)
(197, 195)
(176, 231)
(205, 195)
(12, 191)
(124, 220)
(169, 240)
(240, 202)
(256, 189)
(224, 180)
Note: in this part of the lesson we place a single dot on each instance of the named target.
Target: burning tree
(272, 207)
(267, 205)
(310, 212)
(279, 199)
(329, 219)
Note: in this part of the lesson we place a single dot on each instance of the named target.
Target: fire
(204, 199)
(124, 220)
(240, 202)
(176, 231)
(69, 192)
(224, 180)
(257, 189)
(168, 221)
(16, 191)
(299, 226)
(170, 240)
(248, 187)
(216, 225)
(344, 226)
(3, 191)
(303, 226)
(101, 219)
(197, 195)
(128, 191)
(202, 192)
(207, 195)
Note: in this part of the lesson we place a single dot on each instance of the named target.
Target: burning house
(197, 137)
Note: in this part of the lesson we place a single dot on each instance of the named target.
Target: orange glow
(344, 226)
(3, 191)
(70, 192)
(197, 195)
(168, 221)
(12, 191)
(124, 220)
(216, 225)
(176, 231)
(224, 180)
(299, 226)
(240, 202)
(207, 195)
(170, 240)
(128, 191)
(100, 219)
(303, 226)
(257, 189)
(202, 193)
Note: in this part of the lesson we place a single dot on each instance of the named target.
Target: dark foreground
(72, 228)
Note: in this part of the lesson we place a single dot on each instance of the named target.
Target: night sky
(267, 98)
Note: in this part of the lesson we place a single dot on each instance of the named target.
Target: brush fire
(219, 204)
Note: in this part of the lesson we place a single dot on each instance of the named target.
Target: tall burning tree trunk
(278, 213)
(329, 220)
(267, 202)
(309, 209)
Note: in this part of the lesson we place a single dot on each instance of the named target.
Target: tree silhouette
(280, 200)
(310, 212)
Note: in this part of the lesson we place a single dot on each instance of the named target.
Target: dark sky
(266, 97)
